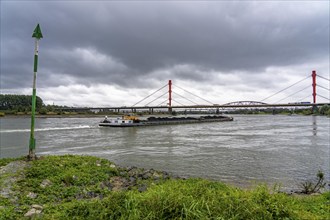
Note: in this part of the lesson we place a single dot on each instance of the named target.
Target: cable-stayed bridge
(173, 97)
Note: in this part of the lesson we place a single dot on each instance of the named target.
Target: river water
(287, 150)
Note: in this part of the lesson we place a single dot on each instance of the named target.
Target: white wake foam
(45, 129)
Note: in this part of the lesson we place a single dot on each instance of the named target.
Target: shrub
(43, 111)
(309, 187)
(325, 110)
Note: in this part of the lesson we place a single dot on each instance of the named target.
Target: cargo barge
(133, 121)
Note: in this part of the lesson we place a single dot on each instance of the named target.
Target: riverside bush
(80, 187)
(309, 187)
(325, 110)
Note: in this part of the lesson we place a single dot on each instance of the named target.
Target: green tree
(18, 102)
(325, 110)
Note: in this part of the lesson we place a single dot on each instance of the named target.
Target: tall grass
(75, 177)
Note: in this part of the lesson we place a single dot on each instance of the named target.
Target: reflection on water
(273, 149)
(314, 125)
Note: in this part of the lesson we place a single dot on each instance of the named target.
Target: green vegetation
(5, 161)
(325, 110)
(18, 103)
(21, 105)
(84, 187)
(309, 187)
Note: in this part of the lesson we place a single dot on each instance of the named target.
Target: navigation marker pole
(32, 146)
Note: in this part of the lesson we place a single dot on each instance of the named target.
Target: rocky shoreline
(55, 187)
(128, 178)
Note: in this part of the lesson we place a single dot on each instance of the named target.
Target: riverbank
(119, 115)
(58, 116)
(325, 111)
(72, 115)
(85, 187)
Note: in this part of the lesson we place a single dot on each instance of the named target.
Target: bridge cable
(323, 87)
(156, 98)
(149, 96)
(293, 94)
(162, 102)
(194, 95)
(323, 77)
(285, 89)
(184, 98)
(304, 98)
(323, 97)
(178, 102)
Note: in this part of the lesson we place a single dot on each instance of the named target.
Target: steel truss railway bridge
(167, 106)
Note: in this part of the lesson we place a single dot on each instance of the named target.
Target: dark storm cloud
(129, 43)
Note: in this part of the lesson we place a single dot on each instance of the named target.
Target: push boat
(133, 121)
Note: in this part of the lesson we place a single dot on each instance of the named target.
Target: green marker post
(32, 146)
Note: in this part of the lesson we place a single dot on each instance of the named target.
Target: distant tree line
(323, 110)
(20, 103)
(13, 104)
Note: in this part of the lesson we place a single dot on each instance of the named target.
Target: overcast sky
(112, 53)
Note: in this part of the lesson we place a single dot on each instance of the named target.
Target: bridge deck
(199, 106)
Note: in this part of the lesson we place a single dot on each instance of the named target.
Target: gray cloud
(135, 44)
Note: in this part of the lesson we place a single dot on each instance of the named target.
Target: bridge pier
(314, 108)
(170, 96)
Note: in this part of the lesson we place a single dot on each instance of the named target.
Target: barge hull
(163, 121)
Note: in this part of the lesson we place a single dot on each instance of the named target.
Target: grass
(77, 190)
(5, 161)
